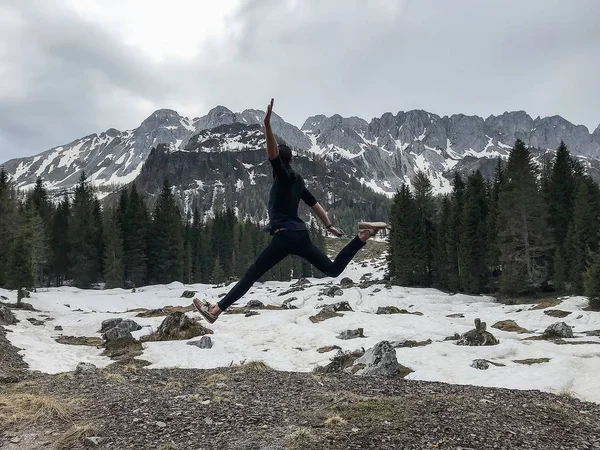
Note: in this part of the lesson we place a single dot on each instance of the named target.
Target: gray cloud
(65, 77)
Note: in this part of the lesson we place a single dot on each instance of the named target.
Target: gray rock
(477, 337)
(204, 342)
(332, 291)
(336, 307)
(287, 303)
(558, 330)
(251, 313)
(6, 316)
(85, 368)
(346, 283)
(255, 304)
(122, 330)
(480, 364)
(188, 294)
(387, 310)
(300, 282)
(58, 328)
(351, 334)
(93, 441)
(379, 360)
(110, 323)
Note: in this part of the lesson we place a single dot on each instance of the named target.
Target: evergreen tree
(134, 228)
(583, 235)
(36, 239)
(441, 250)
(8, 218)
(166, 241)
(591, 281)
(401, 256)
(424, 231)
(114, 268)
(524, 236)
(60, 241)
(217, 275)
(453, 237)
(20, 273)
(83, 236)
(493, 251)
(561, 194)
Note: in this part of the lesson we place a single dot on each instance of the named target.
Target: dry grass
(31, 408)
(548, 302)
(165, 311)
(255, 366)
(334, 420)
(113, 377)
(301, 439)
(324, 315)
(215, 378)
(75, 435)
(80, 340)
(171, 385)
(530, 361)
(509, 325)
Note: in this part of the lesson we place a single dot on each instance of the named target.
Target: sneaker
(202, 308)
(372, 227)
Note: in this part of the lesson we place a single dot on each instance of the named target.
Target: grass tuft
(301, 439)
(75, 435)
(32, 408)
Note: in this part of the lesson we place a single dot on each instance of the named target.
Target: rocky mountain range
(380, 154)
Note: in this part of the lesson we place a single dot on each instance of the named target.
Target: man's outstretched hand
(335, 231)
(268, 113)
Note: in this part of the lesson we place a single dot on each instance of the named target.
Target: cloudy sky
(69, 68)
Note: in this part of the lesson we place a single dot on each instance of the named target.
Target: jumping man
(290, 235)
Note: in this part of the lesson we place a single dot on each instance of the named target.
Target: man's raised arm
(322, 214)
(272, 150)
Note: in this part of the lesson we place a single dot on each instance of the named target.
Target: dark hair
(285, 153)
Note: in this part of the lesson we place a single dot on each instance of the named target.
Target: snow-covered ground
(288, 340)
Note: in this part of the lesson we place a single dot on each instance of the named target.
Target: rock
(456, 337)
(340, 361)
(328, 348)
(351, 334)
(161, 424)
(388, 310)
(509, 325)
(556, 313)
(332, 291)
(2, 297)
(188, 294)
(324, 315)
(300, 282)
(58, 328)
(411, 344)
(6, 316)
(480, 364)
(204, 342)
(456, 316)
(592, 333)
(336, 307)
(117, 333)
(35, 322)
(110, 323)
(85, 368)
(346, 282)
(255, 304)
(478, 336)
(366, 276)
(251, 313)
(92, 441)
(177, 326)
(379, 360)
(558, 330)
(376, 290)
(287, 303)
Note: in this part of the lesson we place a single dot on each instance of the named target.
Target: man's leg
(317, 258)
(271, 255)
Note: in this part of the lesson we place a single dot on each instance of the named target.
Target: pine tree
(35, 232)
(473, 245)
(493, 251)
(60, 241)
(401, 261)
(20, 273)
(114, 269)
(134, 228)
(591, 281)
(524, 235)
(166, 241)
(561, 194)
(217, 275)
(83, 236)
(8, 218)
(441, 254)
(453, 238)
(424, 231)
(583, 235)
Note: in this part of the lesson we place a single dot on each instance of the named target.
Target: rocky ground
(251, 407)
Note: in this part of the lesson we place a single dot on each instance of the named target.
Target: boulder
(388, 310)
(558, 330)
(379, 360)
(6, 316)
(346, 282)
(204, 342)
(478, 336)
(480, 364)
(557, 313)
(336, 307)
(121, 330)
(58, 328)
(177, 326)
(341, 361)
(300, 282)
(85, 368)
(351, 334)
(256, 304)
(188, 294)
(110, 323)
(332, 291)
(287, 303)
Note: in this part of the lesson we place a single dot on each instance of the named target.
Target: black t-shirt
(287, 191)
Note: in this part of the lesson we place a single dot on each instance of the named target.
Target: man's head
(285, 153)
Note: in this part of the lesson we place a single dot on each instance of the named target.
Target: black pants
(286, 243)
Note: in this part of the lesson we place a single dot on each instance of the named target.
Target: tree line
(530, 229)
(128, 244)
